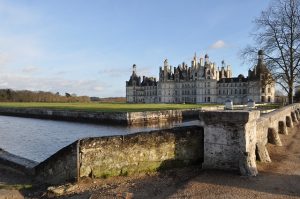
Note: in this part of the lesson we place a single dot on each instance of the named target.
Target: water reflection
(37, 139)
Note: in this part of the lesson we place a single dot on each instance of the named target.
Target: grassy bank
(102, 107)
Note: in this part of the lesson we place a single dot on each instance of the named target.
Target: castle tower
(166, 68)
(134, 69)
(223, 63)
(206, 59)
(260, 56)
(194, 62)
(201, 61)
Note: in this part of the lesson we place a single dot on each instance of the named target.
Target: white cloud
(4, 59)
(98, 88)
(218, 44)
(30, 69)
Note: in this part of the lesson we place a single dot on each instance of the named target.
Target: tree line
(9, 95)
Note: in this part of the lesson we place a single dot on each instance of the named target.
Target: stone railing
(233, 138)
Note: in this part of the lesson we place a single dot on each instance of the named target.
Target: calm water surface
(37, 139)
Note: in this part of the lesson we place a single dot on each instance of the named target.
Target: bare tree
(278, 34)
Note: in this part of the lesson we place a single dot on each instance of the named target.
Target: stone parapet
(230, 140)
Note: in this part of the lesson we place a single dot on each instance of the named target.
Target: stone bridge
(236, 139)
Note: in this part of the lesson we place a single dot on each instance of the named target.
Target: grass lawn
(102, 107)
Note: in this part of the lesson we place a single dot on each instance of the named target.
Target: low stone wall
(270, 125)
(18, 163)
(141, 152)
(60, 167)
(124, 155)
(82, 116)
(122, 118)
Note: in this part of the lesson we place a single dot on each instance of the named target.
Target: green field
(102, 107)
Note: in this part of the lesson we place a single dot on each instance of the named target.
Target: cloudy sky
(89, 47)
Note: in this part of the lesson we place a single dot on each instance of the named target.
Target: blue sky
(89, 47)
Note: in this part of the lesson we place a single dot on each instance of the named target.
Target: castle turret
(260, 56)
(201, 62)
(166, 68)
(194, 62)
(134, 69)
(206, 59)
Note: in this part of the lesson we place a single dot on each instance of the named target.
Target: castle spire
(134, 69)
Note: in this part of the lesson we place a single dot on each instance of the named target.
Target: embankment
(121, 118)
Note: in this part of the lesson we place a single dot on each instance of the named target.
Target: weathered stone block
(273, 137)
(229, 140)
(262, 153)
(294, 119)
(289, 122)
(282, 128)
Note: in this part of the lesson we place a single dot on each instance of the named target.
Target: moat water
(38, 139)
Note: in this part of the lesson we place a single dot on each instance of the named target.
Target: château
(202, 82)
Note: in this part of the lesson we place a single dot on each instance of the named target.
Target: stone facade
(202, 82)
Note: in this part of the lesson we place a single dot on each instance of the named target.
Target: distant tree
(8, 94)
(278, 34)
(68, 95)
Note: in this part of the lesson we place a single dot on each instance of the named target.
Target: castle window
(262, 90)
(269, 90)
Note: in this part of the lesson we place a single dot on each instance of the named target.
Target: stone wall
(17, 163)
(141, 152)
(122, 118)
(270, 125)
(68, 115)
(60, 167)
(123, 155)
(236, 139)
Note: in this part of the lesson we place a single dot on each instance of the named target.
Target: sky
(89, 47)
